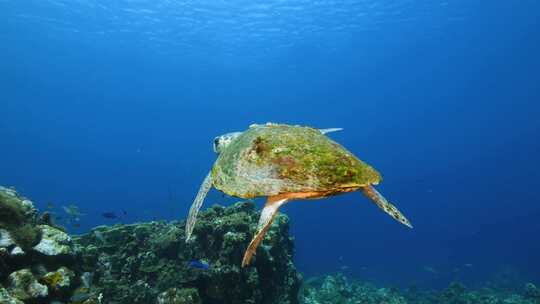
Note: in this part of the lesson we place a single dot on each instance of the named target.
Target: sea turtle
(285, 162)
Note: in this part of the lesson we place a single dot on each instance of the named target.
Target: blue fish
(199, 264)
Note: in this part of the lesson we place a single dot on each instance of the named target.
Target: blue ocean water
(113, 106)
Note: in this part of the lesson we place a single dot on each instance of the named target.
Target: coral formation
(338, 289)
(6, 298)
(60, 280)
(24, 286)
(532, 292)
(54, 242)
(179, 296)
(145, 262)
(35, 258)
(151, 263)
(17, 219)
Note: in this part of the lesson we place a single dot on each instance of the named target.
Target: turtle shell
(271, 159)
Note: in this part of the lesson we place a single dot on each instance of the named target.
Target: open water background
(113, 105)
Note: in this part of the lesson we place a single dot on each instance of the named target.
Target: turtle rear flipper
(268, 214)
(380, 201)
(197, 204)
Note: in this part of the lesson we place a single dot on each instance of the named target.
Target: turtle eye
(216, 144)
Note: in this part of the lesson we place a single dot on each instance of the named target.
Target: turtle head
(222, 141)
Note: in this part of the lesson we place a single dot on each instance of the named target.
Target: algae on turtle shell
(269, 160)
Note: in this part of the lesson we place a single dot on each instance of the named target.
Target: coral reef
(17, 220)
(149, 262)
(144, 262)
(152, 263)
(532, 292)
(338, 289)
(36, 258)
(24, 286)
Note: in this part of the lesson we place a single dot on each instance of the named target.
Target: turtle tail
(386, 206)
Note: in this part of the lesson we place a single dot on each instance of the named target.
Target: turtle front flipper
(197, 203)
(268, 214)
(330, 130)
(380, 201)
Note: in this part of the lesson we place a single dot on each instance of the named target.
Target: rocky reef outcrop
(152, 263)
(37, 258)
(144, 262)
(337, 289)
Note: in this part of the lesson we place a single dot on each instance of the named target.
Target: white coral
(54, 242)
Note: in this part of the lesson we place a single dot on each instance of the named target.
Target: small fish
(50, 206)
(109, 215)
(199, 264)
(72, 210)
(76, 225)
(80, 297)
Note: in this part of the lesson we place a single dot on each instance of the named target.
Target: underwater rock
(17, 251)
(37, 261)
(6, 298)
(145, 262)
(25, 206)
(54, 242)
(179, 296)
(453, 293)
(532, 292)
(17, 220)
(83, 295)
(24, 286)
(5, 239)
(456, 293)
(59, 280)
(338, 289)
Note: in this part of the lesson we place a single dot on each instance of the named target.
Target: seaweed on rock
(16, 218)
